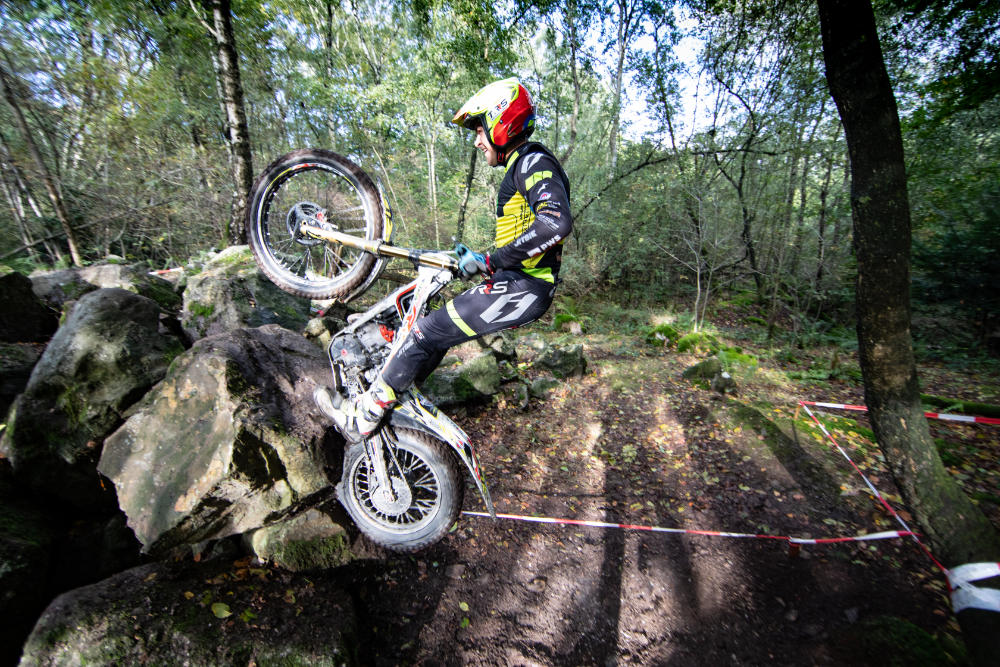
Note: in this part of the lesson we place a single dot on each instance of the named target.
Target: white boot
(360, 415)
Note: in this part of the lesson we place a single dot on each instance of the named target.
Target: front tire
(427, 503)
(320, 188)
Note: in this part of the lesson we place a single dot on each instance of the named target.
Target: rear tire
(322, 188)
(427, 505)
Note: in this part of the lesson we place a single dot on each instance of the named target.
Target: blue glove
(472, 263)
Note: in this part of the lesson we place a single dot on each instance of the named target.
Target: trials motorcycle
(320, 228)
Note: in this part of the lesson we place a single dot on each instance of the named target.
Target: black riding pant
(509, 299)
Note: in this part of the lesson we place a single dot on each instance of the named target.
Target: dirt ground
(633, 442)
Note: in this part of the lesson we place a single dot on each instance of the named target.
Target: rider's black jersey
(533, 216)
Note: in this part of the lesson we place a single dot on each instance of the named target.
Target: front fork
(375, 448)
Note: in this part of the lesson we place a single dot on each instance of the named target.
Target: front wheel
(427, 493)
(322, 189)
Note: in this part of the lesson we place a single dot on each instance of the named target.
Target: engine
(359, 354)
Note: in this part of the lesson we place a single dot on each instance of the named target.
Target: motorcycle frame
(413, 410)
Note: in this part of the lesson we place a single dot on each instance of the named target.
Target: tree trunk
(227, 69)
(821, 224)
(570, 17)
(469, 175)
(432, 188)
(50, 185)
(859, 83)
(627, 24)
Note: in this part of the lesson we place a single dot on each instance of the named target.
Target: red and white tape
(886, 535)
(930, 415)
(964, 595)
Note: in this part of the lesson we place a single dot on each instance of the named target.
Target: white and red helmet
(505, 111)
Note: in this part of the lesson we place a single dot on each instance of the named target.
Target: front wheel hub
(383, 501)
(310, 214)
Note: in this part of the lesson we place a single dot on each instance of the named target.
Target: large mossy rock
(60, 287)
(214, 614)
(704, 370)
(563, 361)
(23, 317)
(229, 442)
(110, 351)
(477, 379)
(310, 540)
(230, 292)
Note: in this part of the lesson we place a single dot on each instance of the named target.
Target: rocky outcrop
(309, 540)
(230, 293)
(229, 442)
(562, 361)
(23, 317)
(58, 288)
(26, 539)
(109, 352)
(178, 614)
(320, 330)
(474, 380)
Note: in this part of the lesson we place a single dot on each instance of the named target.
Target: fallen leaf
(221, 610)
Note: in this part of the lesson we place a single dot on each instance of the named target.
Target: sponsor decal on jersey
(530, 161)
(491, 288)
(509, 307)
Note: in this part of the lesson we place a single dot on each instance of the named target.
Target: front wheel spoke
(293, 262)
(330, 259)
(424, 507)
(285, 246)
(338, 260)
(339, 212)
(309, 263)
(426, 480)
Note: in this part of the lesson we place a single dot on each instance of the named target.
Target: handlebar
(378, 247)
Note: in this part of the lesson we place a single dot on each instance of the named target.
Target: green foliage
(662, 335)
(568, 311)
(736, 362)
(699, 343)
(201, 309)
(946, 451)
(138, 143)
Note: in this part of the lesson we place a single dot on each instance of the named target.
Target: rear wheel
(323, 189)
(426, 495)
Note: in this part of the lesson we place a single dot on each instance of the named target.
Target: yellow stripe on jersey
(544, 273)
(516, 219)
(457, 319)
(534, 178)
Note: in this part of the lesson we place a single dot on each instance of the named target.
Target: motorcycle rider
(532, 221)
